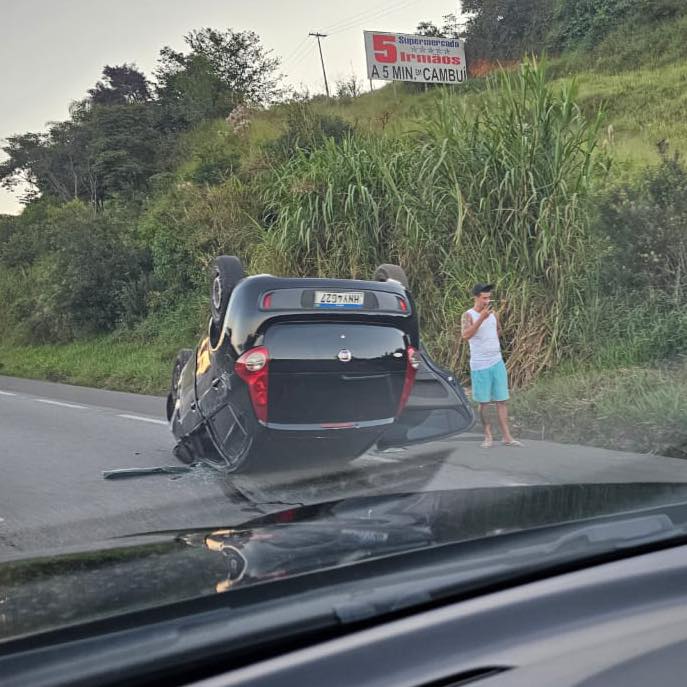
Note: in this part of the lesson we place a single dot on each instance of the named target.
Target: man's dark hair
(482, 288)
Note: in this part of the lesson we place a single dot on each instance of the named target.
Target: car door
(186, 418)
(223, 412)
(437, 408)
(213, 379)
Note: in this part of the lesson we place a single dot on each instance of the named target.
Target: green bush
(215, 155)
(76, 284)
(190, 225)
(15, 288)
(646, 225)
(307, 130)
(586, 22)
(630, 46)
(636, 312)
(25, 237)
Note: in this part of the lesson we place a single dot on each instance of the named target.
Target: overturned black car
(320, 369)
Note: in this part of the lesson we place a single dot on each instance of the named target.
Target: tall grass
(631, 46)
(634, 408)
(498, 195)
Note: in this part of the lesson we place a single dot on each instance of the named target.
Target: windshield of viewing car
(299, 288)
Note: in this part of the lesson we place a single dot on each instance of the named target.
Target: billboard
(422, 59)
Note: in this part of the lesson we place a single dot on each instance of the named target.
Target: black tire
(169, 407)
(395, 272)
(227, 272)
(182, 358)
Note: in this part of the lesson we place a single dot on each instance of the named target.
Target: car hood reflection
(160, 568)
(309, 538)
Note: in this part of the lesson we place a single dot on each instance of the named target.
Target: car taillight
(412, 364)
(402, 304)
(253, 368)
(267, 301)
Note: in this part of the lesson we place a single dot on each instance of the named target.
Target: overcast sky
(52, 51)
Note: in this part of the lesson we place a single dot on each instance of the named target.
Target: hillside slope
(502, 178)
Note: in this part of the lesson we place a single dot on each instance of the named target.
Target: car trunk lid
(333, 374)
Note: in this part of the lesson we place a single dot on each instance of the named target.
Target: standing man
(481, 328)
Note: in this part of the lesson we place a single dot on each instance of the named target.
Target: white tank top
(485, 347)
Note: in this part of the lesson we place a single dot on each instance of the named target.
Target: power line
(378, 15)
(301, 53)
(298, 52)
(297, 49)
(303, 57)
(368, 14)
(359, 16)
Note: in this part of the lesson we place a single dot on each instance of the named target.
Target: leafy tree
(30, 161)
(118, 137)
(221, 70)
(55, 164)
(587, 21)
(23, 238)
(451, 28)
(8, 232)
(349, 88)
(121, 85)
(506, 29)
(83, 278)
(123, 146)
(428, 28)
(100, 152)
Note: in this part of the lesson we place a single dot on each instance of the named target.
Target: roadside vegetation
(560, 178)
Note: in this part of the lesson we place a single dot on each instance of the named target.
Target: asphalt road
(56, 440)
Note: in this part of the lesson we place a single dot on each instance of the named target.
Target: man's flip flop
(487, 443)
(515, 442)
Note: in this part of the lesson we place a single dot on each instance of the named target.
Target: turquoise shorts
(490, 384)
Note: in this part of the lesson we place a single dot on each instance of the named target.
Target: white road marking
(60, 403)
(7, 393)
(382, 459)
(144, 419)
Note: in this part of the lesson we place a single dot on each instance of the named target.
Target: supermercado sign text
(405, 57)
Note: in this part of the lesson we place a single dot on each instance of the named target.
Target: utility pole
(319, 45)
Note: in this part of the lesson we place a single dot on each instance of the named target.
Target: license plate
(332, 299)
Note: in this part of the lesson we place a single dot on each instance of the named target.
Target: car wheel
(229, 463)
(227, 272)
(183, 356)
(230, 438)
(395, 272)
